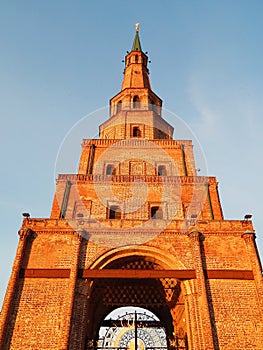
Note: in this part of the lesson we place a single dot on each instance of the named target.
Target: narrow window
(152, 106)
(136, 132)
(115, 212)
(119, 106)
(162, 170)
(136, 102)
(156, 213)
(110, 169)
(136, 58)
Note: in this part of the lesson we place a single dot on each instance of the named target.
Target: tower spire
(136, 46)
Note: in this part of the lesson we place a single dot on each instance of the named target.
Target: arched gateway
(140, 277)
(135, 227)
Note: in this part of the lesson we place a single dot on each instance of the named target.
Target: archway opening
(161, 297)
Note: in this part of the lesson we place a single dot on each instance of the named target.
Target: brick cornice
(82, 178)
(135, 142)
(173, 227)
(136, 274)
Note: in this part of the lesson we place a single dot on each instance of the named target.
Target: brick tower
(135, 227)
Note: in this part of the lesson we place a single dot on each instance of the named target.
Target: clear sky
(61, 60)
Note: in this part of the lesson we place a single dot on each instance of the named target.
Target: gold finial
(137, 27)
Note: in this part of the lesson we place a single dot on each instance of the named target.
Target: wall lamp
(246, 218)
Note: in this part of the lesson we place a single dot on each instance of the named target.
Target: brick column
(184, 160)
(71, 289)
(205, 340)
(24, 234)
(91, 159)
(252, 253)
(194, 335)
(207, 185)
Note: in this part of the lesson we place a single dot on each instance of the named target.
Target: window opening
(136, 132)
(136, 102)
(110, 169)
(152, 105)
(119, 106)
(156, 213)
(115, 212)
(162, 170)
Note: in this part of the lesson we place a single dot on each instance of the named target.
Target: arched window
(162, 170)
(110, 169)
(156, 213)
(119, 106)
(136, 58)
(136, 102)
(136, 132)
(115, 212)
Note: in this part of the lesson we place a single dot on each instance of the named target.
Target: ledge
(135, 142)
(137, 227)
(78, 178)
(136, 274)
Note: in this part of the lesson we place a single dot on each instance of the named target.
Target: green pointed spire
(136, 46)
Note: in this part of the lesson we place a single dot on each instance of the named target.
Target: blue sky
(61, 60)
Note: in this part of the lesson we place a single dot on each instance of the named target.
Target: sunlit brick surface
(136, 203)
